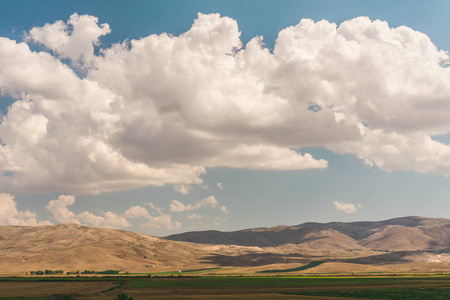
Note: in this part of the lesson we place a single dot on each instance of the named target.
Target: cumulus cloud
(211, 201)
(62, 214)
(161, 109)
(74, 39)
(162, 220)
(194, 217)
(183, 189)
(55, 138)
(348, 208)
(177, 206)
(220, 186)
(9, 215)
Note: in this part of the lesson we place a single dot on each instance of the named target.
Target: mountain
(410, 244)
(72, 247)
(399, 234)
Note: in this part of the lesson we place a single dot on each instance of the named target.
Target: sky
(170, 116)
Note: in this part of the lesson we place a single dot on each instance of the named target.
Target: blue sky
(208, 127)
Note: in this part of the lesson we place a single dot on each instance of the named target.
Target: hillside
(73, 247)
(411, 244)
(400, 234)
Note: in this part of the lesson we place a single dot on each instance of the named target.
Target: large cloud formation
(161, 109)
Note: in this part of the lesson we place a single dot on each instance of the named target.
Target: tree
(123, 296)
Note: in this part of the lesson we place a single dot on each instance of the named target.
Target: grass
(394, 294)
(215, 281)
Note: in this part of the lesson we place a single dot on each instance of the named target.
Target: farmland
(44, 289)
(83, 262)
(233, 287)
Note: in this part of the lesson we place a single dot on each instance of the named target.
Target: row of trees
(101, 272)
(47, 272)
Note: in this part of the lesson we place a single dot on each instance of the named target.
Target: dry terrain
(400, 234)
(403, 245)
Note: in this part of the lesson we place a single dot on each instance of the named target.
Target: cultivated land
(415, 287)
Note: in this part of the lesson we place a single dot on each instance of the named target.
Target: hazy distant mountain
(399, 234)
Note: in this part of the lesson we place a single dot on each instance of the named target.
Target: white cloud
(62, 214)
(220, 186)
(9, 215)
(162, 109)
(177, 206)
(348, 208)
(265, 157)
(162, 220)
(55, 104)
(183, 189)
(211, 201)
(75, 39)
(136, 212)
(60, 211)
(194, 217)
(224, 210)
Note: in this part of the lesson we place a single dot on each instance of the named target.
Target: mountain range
(399, 234)
(409, 244)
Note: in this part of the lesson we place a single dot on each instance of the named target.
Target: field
(228, 287)
(47, 288)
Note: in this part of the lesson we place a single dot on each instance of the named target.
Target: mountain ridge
(433, 234)
(412, 244)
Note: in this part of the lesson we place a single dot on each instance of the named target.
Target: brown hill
(72, 247)
(408, 234)
(352, 246)
(400, 238)
(329, 240)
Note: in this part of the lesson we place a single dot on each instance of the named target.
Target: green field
(393, 294)
(236, 281)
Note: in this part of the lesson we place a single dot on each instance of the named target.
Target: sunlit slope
(72, 247)
(411, 244)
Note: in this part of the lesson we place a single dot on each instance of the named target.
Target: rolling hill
(410, 244)
(400, 234)
(73, 247)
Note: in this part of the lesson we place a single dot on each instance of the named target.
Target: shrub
(123, 296)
